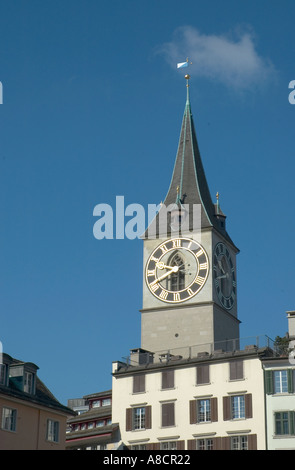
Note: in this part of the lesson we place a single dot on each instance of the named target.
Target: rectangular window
(284, 423)
(52, 430)
(96, 404)
(168, 415)
(28, 382)
(238, 407)
(139, 383)
(9, 419)
(167, 379)
(139, 418)
(239, 443)
(205, 444)
(170, 445)
(106, 402)
(203, 374)
(280, 381)
(236, 370)
(204, 410)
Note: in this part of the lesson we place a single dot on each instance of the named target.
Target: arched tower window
(176, 281)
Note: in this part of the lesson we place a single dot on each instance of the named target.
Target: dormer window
(28, 382)
(23, 377)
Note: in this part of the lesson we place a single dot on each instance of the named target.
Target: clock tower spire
(189, 286)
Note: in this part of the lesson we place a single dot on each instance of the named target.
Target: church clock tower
(189, 279)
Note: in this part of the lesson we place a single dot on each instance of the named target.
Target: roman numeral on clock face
(199, 280)
(163, 295)
(176, 243)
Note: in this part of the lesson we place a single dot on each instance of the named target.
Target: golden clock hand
(161, 265)
(173, 269)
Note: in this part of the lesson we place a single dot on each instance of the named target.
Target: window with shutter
(203, 374)
(168, 417)
(139, 383)
(236, 370)
(167, 379)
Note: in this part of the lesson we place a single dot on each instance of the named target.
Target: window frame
(8, 423)
(207, 412)
(289, 420)
(206, 443)
(139, 421)
(239, 411)
(239, 442)
(52, 430)
(280, 383)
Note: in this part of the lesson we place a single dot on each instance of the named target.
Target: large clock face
(224, 276)
(177, 270)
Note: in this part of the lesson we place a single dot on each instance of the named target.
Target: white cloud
(233, 62)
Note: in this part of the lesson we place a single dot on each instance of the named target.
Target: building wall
(184, 391)
(31, 427)
(280, 402)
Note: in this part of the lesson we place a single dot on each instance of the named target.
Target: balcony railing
(140, 357)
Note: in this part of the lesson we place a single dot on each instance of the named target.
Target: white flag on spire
(181, 65)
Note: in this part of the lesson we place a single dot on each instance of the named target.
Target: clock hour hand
(172, 269)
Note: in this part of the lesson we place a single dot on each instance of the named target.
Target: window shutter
(292, 422)
(290, 380)
(226, 442)
(168, 414)
(226, 408)
(214, 413)
(203, 374)
(248, 405)
(167, 379)
(191, 444)
(252, 442)
(193, 411)
(129, 419)
(268, 379)
(217, 443)
(138, 383)
(180, 445)
(236, 370)
(148, 417)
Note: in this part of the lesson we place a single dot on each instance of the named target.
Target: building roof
(42, 395)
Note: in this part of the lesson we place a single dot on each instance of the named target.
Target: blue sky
(92, 109)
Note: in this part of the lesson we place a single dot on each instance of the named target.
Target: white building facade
(214, 402)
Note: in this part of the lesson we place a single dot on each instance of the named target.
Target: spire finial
(217, 202)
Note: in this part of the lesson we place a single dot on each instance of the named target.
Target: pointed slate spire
(189, 184)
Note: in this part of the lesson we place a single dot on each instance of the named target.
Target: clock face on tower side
(224, 276)
(177, 270)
